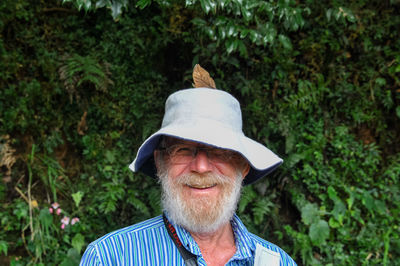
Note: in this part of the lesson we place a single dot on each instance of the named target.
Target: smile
(201, 186)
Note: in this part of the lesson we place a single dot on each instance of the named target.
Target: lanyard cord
(190, 259)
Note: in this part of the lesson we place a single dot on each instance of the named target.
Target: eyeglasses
(184, 154)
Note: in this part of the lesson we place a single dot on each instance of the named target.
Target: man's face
(201, 185)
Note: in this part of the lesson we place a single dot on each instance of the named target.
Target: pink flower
(65, 220)
(58, 211)
(62, 226)
(74, 220)
(51, 210)
(55, 205)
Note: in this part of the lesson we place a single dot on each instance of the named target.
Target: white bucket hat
(212, 117)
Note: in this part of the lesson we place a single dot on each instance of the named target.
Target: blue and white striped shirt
(148, 243)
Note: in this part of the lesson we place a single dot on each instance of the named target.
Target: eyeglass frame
(230, 156)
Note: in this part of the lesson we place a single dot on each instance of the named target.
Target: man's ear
(157, 160)
(245, 170)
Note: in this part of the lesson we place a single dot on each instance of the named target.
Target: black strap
(190, 259)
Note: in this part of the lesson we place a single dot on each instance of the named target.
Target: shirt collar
(185, 237)
(245, 247)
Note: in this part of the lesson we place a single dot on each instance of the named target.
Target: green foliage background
(83, 83)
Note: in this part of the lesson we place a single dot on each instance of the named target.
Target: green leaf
(333, 223)
(332, 193)
(116, 9)
(246, 13)
(285, 41)
(242, 49)
(339, 211)
(356, 214)
(87, 4)
(319, 232)
(101, 3)
(199, 22)
(78, 241)
(380, 206)
(380, 81)
(77, 197)
(108, 168)
(143, 3)
(262, 208)
(110, 156)
(368, 201)
(3, 247)
(230, 45)
(21, 210)
(138, 204)
(244, 33)
(350, 202)
(398, 111)
(45, 218)
(293, 159)
(310, 213)
(205, 5)
(72, 258)
(253, 36)
(248, 196)
(290, 142)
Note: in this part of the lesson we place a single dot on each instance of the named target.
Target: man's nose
(201, 163)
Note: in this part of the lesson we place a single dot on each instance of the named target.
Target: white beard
(203, 214)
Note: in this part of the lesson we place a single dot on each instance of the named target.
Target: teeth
(202, 186)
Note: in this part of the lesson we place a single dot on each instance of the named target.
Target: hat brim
(262, 161)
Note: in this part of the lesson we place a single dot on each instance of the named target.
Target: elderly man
(202, 159)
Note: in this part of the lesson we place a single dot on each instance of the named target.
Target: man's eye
(183, 150)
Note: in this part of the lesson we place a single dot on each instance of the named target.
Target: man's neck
(216, 247)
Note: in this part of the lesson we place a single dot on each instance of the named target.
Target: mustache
(202, 180)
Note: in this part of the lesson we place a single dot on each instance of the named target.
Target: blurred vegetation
(83, 83)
